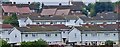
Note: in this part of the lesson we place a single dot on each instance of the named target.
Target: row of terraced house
(59, 24)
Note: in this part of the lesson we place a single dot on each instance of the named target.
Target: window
(51, 22)
(64, 32)
(3, 32)
(106, 34)
(26, 35)
(68, 20)
(38, 23)
(42, 22)
(48, 35)
(54, 22)
(60, 22)
(114, 43)
(15, 36)
(7, 39)
(93, 34)
(114, 34)
(85, 34)
(33, 35)
(55, 34)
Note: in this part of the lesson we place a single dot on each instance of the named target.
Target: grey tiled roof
(102, 27)
(46, 17)
(42, 28)
(109, 16)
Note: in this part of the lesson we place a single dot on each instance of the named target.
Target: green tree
(92, 12)
(13, 20)
(35, 6)
(90, 6)
(4, 43)
(84, 11)
(38, 43)
(109, 42)
(104, 7)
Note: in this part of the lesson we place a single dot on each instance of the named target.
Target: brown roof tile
(10, 9)
(6, 26)
(62, 12)
(24, 9)
(48, 11)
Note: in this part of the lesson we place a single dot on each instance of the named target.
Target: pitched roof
(6, 26)
(14, 8)
(99, 27)
(42, 28)
(57, 6)
(62, 12)
(71, 17)
(48, 11)
(85, 18)
(24, 9)
(77, 5)
(53, 17)
(46, 17)
(10, 9)
(106, 16)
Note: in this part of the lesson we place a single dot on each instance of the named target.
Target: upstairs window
(55, 34)
(26, 35)
(107, 34)
(68, 20)
(114, 34)
(15, 36)
(93, 34)
(33, 35)
(86, 35)
(48, 35)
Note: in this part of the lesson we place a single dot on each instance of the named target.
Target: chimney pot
(14, 2)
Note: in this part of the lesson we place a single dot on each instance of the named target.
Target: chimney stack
(60, 4)
(14, 2)
(29, 3)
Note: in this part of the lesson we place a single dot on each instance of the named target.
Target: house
(41, 20)
(68, 20)
(74, 6)
(51, 34)
(89, 34)
(5, 30)
(8, 9)
(73, 20)
(102, 18)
